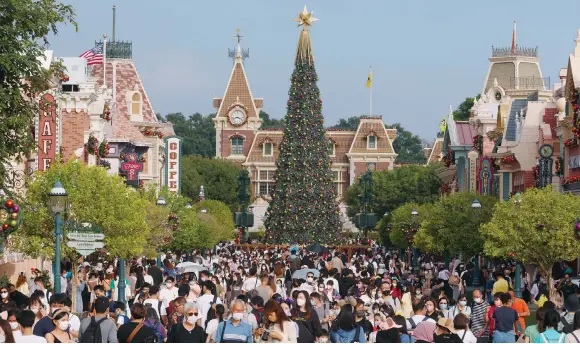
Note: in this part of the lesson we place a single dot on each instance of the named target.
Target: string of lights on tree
(303, 208)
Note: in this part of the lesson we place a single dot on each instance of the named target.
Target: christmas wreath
(92, 145)
(104, 149)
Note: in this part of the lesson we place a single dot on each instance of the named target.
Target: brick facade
(74, 125)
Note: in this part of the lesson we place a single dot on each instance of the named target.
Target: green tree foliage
(203, 230)
(218, 177)
(393, 188)
(197, 133)
(453, 225)
(24, 31)
(408, 146)
(94, 197)
(350, 123)
(539, 230)
(303, 207)
(464, 109)
(268, 122)
(403, 228)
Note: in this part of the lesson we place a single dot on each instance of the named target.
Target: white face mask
(310, 279)
(478, 300)
(168, 284)
(238, 316)
(300, 302)
(63, 325)
(4, 295)
(192, 319)
(34, 310)
(13, 325)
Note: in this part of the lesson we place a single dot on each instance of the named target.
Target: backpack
(568, 327)
(211, 312)
(93, 332)
(157, 333)
(412, 322)
(259, 316)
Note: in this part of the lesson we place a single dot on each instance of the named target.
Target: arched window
(237, 145)
(136, 104)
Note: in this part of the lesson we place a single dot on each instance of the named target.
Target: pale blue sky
(425, 54)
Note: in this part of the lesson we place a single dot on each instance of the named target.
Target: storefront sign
(173, 162)
(46, 132)
(132, 165)
(574, 162)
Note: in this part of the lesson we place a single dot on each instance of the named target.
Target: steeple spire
(514, 45)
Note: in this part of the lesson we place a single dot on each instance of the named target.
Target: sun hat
(447, 323)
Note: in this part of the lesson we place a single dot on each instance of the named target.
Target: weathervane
(305, 18)
(238, 52)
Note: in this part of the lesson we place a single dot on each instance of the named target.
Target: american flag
(94, 56)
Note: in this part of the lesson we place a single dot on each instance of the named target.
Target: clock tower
(237, 118)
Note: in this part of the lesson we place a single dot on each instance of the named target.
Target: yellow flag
(370, 80)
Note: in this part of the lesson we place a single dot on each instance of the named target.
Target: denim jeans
(504, 337)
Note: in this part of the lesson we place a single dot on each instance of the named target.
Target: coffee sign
(173, 162)
(46, 132)
(132, 164)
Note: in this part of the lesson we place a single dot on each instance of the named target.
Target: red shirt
(491, 319)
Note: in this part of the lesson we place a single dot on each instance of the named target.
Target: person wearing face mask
(168, 294)
(189, 331)
(278, 328)
(233, 330)
(306, 318)
(60, 334)
(280, 288)
(321, 309)
(479, 310)
(360, 318)
(26, 320)
(14, 326)
(309, 286)
(5, 302)
(460, 308)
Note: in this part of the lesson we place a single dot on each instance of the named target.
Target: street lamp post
(161, 203)
(477, 207)
(58, 205)
(244, 218)
(414, 217)
(518, 282)
(366, 220)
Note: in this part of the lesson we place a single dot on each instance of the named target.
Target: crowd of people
(288, 295)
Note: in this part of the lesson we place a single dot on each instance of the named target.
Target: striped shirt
(240, 333)
(477, 323)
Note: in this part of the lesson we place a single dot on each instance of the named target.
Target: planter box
(571, 187)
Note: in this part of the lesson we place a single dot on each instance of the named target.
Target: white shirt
(417, 319)
(155, 305)
(334, 285)
(444, 275)
(212, 326)
(74, 322)
(18, 338)
(148, 279)
(250, 284)
(204, 304)
(469, 337)
(168, 295)
(310, 288)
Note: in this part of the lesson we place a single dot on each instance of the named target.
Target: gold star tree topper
(305, 18)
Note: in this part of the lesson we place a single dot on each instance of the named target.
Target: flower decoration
(445, 189)
(106, 113)
(142, 159)
(559, 165)
(449, 158)
(509, 159)
(570, 180)
(152, 133)
(173, 221)
(571, 143)
(92, 145)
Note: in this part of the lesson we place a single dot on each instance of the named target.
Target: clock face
(238, 117)
(498, 95)
(546, 151)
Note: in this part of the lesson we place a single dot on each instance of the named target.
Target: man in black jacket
(361, 319)
(156, 273)
(346, 282)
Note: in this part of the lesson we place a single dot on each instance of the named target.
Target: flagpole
(105, 60)
(371, 93)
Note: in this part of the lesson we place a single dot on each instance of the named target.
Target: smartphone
(265, 335)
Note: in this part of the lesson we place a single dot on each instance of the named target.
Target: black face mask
(360, 314)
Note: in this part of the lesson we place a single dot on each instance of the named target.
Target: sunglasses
(311, 276)
(191, 314)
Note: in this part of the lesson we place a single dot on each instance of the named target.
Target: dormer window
(237, 146)
(136, 104)
(331, 149)
(268, 149)
(371, 142)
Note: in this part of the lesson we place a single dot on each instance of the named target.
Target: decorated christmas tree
(303, 208)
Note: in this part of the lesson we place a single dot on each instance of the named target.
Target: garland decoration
(449, 158)
(570, 180)
(571, 143)
(509, 159)
(536, 170)
(92, 145)
(559, 165)
(104, 149)
(409, 230)
(151, 133)
(576, 108)
(478, 144)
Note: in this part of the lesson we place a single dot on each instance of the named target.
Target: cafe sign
(47, 132)
(132, 164)
(173, 162)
